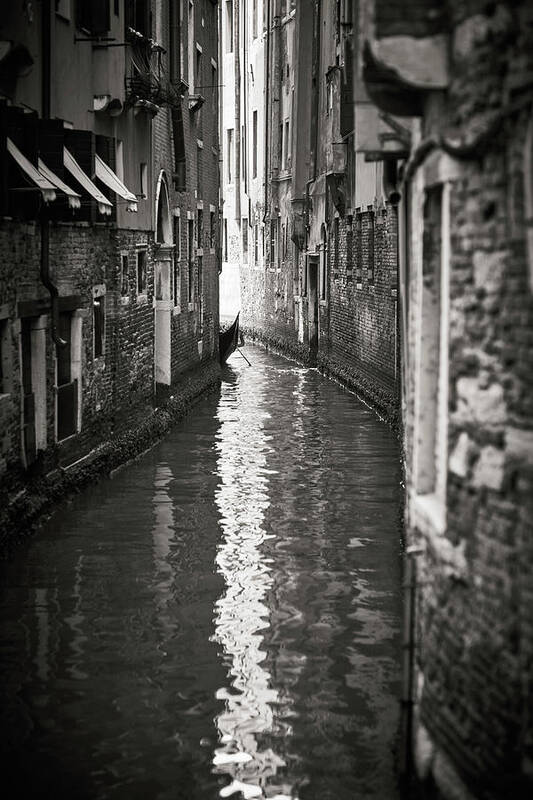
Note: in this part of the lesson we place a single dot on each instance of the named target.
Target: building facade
(459, 77)
(109, 221)
(313, 226)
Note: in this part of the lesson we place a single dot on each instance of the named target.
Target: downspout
(267, 119)
(237, 60)
(314, 111)
(316, 86)
(46, 45)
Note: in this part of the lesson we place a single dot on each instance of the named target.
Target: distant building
(108, 218)
(313, 226)
(242, 137)
(460, 76)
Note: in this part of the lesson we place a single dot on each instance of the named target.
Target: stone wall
(470, 525)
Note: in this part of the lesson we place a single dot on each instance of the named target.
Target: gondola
(228, 341)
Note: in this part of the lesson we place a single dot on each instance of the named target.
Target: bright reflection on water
(221, 619)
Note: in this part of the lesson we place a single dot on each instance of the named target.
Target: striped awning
(47, 188)
(104, 173)
(74, 199)
(104, 206)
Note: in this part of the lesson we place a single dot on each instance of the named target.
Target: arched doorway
(162, 286)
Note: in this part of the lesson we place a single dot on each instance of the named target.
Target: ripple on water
(221, 619)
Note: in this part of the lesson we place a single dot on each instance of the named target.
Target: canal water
(220, 619)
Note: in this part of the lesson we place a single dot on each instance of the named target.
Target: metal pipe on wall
(237, 145)
(46, 88)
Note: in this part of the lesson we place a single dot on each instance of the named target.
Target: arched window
(163, 233)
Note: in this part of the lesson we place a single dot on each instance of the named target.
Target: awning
(48, 190)
(74, 199)
(104, 206)
(113, 182)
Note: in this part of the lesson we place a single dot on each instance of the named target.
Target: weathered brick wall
(115, 386)
(358, 341)
(361, 341)
(200, 131)
(474, 631)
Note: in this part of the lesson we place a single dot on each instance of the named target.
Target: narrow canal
(221, 619)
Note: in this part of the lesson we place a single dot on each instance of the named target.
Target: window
(5, 357)
(229, 154)
(280, 146)
(98, 326)
(67, 387)
(201, 291)
(198, 67)
(124, 275)
(190, 258)
(212, 230)
(200, 228)
(329, 89)
(359, 247)
(349, 247)
(214, 92)
(274, 242)
(142, 283)
(143, 174)
(199, 170)
(93, 17)
(323, 264)
(287, 156)
(245, 237)
(136, 15)
(229, 26)
(336, 246)
(225, 240)
(371, 253)
(244, 165)
(176, 263)
(177, 236)
(256, 244)
(254, 19)
(254, 144)
(429, 389)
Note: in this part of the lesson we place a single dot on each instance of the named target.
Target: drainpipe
(316, 79)
(267, 97)
(237, 58)
(46, 46)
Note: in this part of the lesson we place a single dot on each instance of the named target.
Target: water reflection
(221, 619)
(241, 614)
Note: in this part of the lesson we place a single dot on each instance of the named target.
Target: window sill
(323, 303)
(176, 310)
(429, 514)
(142, 299)
(125, 301)
(61, 442)
(190, 307)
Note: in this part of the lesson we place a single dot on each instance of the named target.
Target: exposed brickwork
(113, 281)
(474, 638)
(312, 224)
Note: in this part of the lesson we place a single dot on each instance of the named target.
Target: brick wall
(474, 638)
(361, 341)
